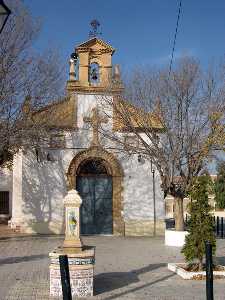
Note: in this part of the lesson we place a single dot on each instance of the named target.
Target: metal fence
(219, 227)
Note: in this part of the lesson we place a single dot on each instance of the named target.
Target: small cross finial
(94, 31)
(95, 120)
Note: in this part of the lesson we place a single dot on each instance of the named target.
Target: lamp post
(141, 160)
(154, 208)
(4, 14)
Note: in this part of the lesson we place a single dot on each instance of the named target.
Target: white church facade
(116, 188)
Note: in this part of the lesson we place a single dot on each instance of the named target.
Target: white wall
(138, 190)
(44, 187)
(85, 104)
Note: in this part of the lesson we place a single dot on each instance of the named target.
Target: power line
(175, 37)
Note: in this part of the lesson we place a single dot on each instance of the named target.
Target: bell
(74, 57)
(94, 75)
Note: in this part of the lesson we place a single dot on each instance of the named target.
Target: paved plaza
(126, 268)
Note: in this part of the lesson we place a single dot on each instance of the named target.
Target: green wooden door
(96, 209)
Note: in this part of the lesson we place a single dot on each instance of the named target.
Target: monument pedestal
(81, 268)
(81, 258)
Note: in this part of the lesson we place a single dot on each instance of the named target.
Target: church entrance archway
(93, 172)
(94, 184)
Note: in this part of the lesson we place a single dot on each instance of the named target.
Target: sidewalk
(6, 232)
(126, 268)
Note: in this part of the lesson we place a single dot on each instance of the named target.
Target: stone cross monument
(95, 120)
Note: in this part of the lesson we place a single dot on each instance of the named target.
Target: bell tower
(91, 67)
(95, 63)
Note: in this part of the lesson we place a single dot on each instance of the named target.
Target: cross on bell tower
(94, 31)
(92, 63)
(95, 120)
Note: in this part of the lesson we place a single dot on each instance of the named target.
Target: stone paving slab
(126, 268)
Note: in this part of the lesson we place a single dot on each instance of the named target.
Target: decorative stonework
(74, 85)
(94, 51)
(95, 120)
(89, 52)
(115, 171)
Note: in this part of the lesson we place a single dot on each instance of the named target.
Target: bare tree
(178, 120)
(28, 81)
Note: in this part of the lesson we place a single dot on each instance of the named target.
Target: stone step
(5, 230)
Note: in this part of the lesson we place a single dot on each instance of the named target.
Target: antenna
(94, 30)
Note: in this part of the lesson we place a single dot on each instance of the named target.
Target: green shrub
(200, 224)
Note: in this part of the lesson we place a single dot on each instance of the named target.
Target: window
(4, 202)
(131, 143)
(57, 141)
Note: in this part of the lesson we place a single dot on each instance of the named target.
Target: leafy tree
(219, 188)
(200, 224)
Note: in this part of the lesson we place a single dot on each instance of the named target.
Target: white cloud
(162, 60)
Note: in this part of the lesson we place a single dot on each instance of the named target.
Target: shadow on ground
(19, 259)
(28, 237)
(219, 260)
(106, 282)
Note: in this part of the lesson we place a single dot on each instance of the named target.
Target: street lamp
(154, 206)
(4, 14)
(142, 161)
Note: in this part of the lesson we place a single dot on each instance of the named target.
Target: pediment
(95, 44)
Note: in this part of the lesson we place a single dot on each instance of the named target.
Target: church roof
(93, 42)
(60, 114)
(127, 117)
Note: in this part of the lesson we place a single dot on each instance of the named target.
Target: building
(116, 188)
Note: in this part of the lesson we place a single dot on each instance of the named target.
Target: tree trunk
(200, 265)
(178, 214)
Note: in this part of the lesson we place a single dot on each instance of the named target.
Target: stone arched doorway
(94, 184)
(111, 174)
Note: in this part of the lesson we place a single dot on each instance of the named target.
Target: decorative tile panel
(81, 268)
(81, 282)
(75, 261)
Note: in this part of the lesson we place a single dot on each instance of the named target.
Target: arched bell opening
(94, 73)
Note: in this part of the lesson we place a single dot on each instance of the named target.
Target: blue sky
(141, 31)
